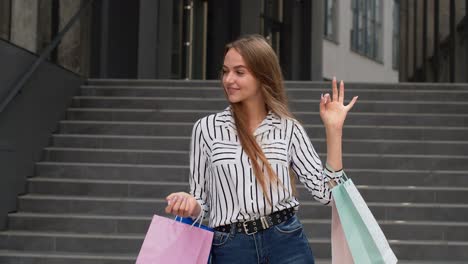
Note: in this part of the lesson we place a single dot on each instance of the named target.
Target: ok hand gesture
(332, 110)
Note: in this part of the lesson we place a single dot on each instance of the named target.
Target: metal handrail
(27, 75)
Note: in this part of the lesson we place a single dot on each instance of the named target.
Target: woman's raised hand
(332, 110)
(182, 204)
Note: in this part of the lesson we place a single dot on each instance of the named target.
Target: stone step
(293, 93)
(183, 143)
(363, 106)
(138, 172)
(129, 244)
(159, 189)
(313, 118)
(46, 257)
(71, 242)
(145, 206)
(313, 131)
(28, 257)
(180, 157)
(315, 228)
(189, 84)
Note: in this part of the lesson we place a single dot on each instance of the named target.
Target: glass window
(366, 32)
(330, 30)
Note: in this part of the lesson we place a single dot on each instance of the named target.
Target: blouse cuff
(204, 208)
(333, 175)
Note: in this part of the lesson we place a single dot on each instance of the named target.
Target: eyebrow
(236, 67)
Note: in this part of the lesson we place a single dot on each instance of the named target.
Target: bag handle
(198, 219)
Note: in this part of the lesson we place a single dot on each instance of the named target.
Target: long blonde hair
(263, 63)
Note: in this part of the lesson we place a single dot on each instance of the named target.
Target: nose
(228, 78)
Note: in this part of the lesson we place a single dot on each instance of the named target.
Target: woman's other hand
(182, 204)
(332, 110)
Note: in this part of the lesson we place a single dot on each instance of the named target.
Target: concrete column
(69, 50)
(24, 24)
(44, 24)
(316, 35)
(5, 9)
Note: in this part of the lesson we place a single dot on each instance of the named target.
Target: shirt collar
(271, 121)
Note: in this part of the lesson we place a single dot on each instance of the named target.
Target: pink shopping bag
(169, 241)
(340, 249)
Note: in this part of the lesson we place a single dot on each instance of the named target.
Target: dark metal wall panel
(155, 39)
(148, 39)
(251, 13)
(115, 35)
(28, 121)
(223, 27)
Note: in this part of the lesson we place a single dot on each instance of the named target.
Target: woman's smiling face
(238, 82)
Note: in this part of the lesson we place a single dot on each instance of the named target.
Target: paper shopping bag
(365, 238)
(169, 241)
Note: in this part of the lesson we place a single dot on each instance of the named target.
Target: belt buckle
(246, 229)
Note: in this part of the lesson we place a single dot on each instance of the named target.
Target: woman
(242, 160)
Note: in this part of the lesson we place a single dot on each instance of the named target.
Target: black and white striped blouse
(221, 175)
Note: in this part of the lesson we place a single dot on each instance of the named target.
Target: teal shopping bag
(365, 238)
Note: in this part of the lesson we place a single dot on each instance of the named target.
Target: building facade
(359, 42)
(434, 41)
(355, 40)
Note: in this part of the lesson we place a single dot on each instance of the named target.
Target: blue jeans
(279, 244)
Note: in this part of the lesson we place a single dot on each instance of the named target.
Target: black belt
(253, 226)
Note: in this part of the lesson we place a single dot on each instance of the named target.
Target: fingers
(351, 104)
(334, 90)
(188, 208)
(324, 99)
(322, 104)
(341, 95)
(178, 205)
(171, 200)
(171, 196)
(182, 212)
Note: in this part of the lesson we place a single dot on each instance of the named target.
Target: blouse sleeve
(307, 166)
(198, 168)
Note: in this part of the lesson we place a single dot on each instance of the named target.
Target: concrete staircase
(124, 147)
